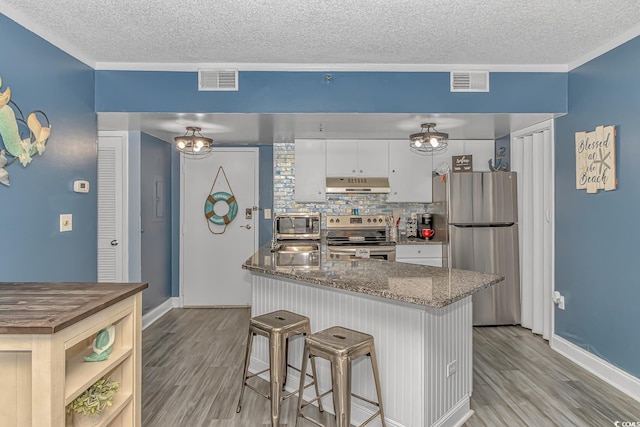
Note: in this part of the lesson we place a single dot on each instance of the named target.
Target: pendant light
(428, 141)
(193, 145)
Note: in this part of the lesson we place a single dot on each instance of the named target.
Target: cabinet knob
(360, 170)
(353, 171)
(319, 192)
(395, 193)
(419, 251)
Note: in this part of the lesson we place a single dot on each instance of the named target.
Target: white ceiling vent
(469, 81)
(217, 79)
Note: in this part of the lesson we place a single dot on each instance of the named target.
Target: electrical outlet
(558, 298)
(451, 368)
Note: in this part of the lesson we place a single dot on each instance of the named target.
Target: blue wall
(155, 166)
(42, 77)
(265, 226)
(597, 235)
(306, 92)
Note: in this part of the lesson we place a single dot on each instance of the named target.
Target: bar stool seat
(340, 346)
(278, 327)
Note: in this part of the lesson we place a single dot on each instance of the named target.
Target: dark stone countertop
(415, 284)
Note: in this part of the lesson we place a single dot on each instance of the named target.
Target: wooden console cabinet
(46, 329)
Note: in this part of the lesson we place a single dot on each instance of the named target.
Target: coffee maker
(424, 230)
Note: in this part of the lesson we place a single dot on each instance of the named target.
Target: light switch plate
(66, 222)
(267, 213)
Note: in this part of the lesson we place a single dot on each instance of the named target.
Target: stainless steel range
(358, 236)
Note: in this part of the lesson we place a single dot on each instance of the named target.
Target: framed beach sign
(596, 159)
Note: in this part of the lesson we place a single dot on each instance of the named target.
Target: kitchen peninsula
(419, 315)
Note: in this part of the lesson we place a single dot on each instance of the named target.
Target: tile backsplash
(336, 204)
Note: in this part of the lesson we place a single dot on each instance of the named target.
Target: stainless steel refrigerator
(481, 223)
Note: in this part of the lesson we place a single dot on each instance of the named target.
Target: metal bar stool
(277, 326)
(340, 346)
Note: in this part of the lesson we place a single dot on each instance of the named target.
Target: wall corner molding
(623, 381)
(156, 313)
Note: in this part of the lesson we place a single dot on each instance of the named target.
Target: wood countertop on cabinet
(46, 308)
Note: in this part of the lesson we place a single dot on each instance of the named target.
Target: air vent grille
(218, 80)
(469, 81)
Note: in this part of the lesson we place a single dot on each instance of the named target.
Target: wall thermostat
(80, 186)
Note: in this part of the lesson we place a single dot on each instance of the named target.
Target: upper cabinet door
(363, 157)
(373, 157)
(310, 182)
(409, 174)
(342, 157)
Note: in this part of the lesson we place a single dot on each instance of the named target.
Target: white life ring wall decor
(212, 211)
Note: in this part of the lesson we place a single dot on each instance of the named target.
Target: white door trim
(182, 206)
(124, 193)
(540, 127)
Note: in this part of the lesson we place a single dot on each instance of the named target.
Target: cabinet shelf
(119, 403)
(81, 375)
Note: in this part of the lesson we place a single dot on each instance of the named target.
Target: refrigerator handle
(549, 216)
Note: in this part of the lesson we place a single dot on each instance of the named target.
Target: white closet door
(111, 204)
(532, 159)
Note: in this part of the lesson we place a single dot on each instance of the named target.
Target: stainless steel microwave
(297, 226)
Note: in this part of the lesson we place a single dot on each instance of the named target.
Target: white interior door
(112, 206)
(532, 158)
(212, 254)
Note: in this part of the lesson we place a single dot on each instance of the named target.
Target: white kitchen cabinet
(361, 157)
(310, 182)
(420, 254)
(409, 174)
(482, 150)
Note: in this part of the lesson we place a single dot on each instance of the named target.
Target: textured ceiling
(164, 34)
(512, 32)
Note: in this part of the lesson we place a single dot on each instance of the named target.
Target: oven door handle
(342, 251)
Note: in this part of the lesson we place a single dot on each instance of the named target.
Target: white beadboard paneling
(413, 345)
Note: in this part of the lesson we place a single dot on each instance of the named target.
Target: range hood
(336, 185)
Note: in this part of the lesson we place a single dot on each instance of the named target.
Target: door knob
(248, 226)
(114, 243)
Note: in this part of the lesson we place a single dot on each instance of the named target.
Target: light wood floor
(192, 367)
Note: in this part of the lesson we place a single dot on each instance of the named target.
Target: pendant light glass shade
(193, 144)
(428, 141)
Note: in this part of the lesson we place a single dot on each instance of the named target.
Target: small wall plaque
(596, 159)
(462, 163)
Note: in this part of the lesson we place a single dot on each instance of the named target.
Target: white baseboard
(458, 415)
(604, 370)
(156, 313)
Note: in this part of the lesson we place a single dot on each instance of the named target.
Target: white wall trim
(154, 314)
(31, 25)
(418, 68)
(610, 45)
(623, 381)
